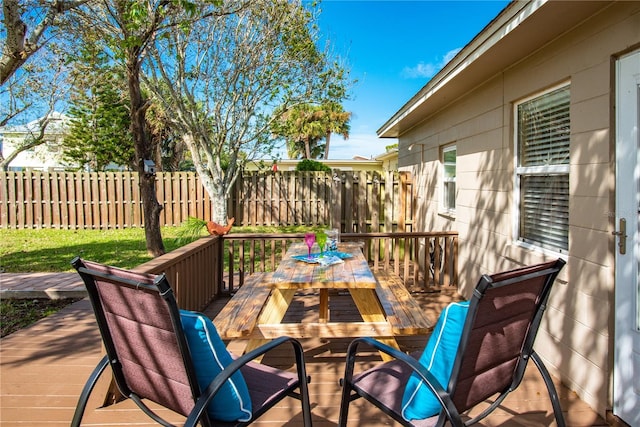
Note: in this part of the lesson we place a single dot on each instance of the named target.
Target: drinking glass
(309, 240)
(333, 235)
(321, 238)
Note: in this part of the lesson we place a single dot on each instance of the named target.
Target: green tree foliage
(307, 128)
(99, 132)
(336, 121)
(302, 128)
(125, 29)
(171, 151)
(312, 165)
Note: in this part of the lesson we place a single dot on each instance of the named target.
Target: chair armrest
(215, 385)
(434, 385)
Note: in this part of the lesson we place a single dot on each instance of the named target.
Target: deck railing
(421, 259)
(193, 271)
(211, 266)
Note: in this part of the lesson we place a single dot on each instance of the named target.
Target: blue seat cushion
(210, 357)
(418, 401)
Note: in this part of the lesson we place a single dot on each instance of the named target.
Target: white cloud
(428, 70)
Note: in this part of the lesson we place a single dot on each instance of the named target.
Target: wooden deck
(43, 368)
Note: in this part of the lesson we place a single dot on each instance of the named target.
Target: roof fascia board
(500, 27)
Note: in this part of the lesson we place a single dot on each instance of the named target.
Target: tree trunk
(14, 53)
(144, 151)
(307, 148)
(219, 202)
(211, 181)
(326, 146)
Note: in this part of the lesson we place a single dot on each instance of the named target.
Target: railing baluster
(197, 270)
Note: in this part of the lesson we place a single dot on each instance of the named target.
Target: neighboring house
(527, 144)
(44, 157)
(389, 160)
(383, 162)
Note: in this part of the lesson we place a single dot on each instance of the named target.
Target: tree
(99, 107)
(27, 28)
(335, 120)
(32, 68)
(304, 126)
(98, 135)
(302, 129)
(33, 94)
(171, 151)
(126, 30)
(223, 76)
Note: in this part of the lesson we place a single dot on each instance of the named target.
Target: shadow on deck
(43, 369)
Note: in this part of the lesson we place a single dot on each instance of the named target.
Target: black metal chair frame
(449, 410)
(160, 285)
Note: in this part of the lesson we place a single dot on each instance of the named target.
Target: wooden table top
(353, 273)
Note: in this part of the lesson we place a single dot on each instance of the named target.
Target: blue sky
(393, 48)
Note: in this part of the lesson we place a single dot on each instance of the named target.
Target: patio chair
(175, 358)
(485, 344)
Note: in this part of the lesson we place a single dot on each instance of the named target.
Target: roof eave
(520, 29)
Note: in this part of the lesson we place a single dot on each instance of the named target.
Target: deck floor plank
(43, 369)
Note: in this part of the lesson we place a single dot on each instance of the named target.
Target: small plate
(341, 255)
(313, 259)
(316, 258)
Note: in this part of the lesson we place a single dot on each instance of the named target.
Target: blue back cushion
(210, 357)
(418, 401)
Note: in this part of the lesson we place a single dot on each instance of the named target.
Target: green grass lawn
(45, 250)
(23, 251)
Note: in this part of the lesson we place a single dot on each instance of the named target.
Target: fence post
(402, 195)
(336, 201)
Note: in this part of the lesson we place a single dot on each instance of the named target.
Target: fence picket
(350, 201)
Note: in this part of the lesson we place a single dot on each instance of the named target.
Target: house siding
(577, 334)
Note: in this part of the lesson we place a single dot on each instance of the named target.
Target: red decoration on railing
(217, 229)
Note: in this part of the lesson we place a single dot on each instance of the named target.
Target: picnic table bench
(238, 318)
(402, 311)
(243, 317)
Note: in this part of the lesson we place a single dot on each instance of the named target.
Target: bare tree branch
(20, 45)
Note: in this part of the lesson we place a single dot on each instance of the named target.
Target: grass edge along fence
(353, 201)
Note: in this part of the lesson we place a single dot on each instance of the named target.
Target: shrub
(312, 165)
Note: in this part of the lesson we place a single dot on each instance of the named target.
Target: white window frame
(444, 206)
(532, 171)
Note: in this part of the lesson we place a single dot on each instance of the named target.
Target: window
(542, 169)
(449, 178)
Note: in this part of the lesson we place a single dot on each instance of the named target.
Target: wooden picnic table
(386, 307)
(352, 274)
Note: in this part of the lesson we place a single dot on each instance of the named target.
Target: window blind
(544, 210)
(449, 155)
(544, 129)
(543, 149)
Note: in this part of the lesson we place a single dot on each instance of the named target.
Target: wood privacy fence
(351, 201)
